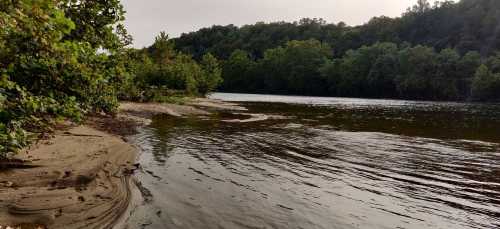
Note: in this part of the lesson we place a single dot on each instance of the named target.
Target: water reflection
(328, 165)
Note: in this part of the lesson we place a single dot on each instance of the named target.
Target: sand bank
(142, 113)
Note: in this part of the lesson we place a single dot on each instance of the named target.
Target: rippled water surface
(324, 163)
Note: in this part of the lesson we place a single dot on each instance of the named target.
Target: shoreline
(83, 175)
(142, 114)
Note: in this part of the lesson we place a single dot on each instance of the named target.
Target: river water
(323, 163)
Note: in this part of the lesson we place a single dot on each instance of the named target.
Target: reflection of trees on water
(424, 119)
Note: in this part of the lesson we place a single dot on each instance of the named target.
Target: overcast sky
(146, 18)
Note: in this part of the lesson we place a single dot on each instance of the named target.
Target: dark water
(324, 163)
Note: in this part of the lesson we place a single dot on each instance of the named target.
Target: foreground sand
(81, 174)
(81, 181)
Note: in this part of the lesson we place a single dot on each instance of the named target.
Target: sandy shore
(81, 181)
(142, 112)
(80, 178)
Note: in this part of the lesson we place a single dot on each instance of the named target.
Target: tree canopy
(431, 52)
(467, 25)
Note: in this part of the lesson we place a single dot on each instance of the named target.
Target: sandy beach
(80, 176)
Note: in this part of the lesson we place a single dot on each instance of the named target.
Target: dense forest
(447, 51)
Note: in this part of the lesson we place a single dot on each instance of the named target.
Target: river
(310, 162)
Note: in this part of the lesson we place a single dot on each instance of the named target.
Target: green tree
(160, 72)
(162, 51)
(100, 23)
(294, 69)
(238, 73)
(332, 73)
(211, 74)
(486, 85)
(468, 64)
(493, 62)
(183, 74)
(368, 71)
(418, 65)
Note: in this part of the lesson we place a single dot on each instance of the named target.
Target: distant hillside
(468, 25)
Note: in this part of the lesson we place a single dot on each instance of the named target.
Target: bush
(50, 68)
(161, 74)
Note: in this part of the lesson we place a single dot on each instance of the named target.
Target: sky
(146, 18)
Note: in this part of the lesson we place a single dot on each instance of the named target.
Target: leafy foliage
(50, 66)
(486, 85)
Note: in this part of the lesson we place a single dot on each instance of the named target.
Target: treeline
(382, 70)
(63, 59)
(430, 52)
(467, 25)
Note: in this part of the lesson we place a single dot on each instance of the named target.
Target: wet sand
(142, 113)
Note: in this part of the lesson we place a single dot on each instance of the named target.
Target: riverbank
(80, 177)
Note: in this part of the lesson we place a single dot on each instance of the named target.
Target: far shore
(81, 175)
